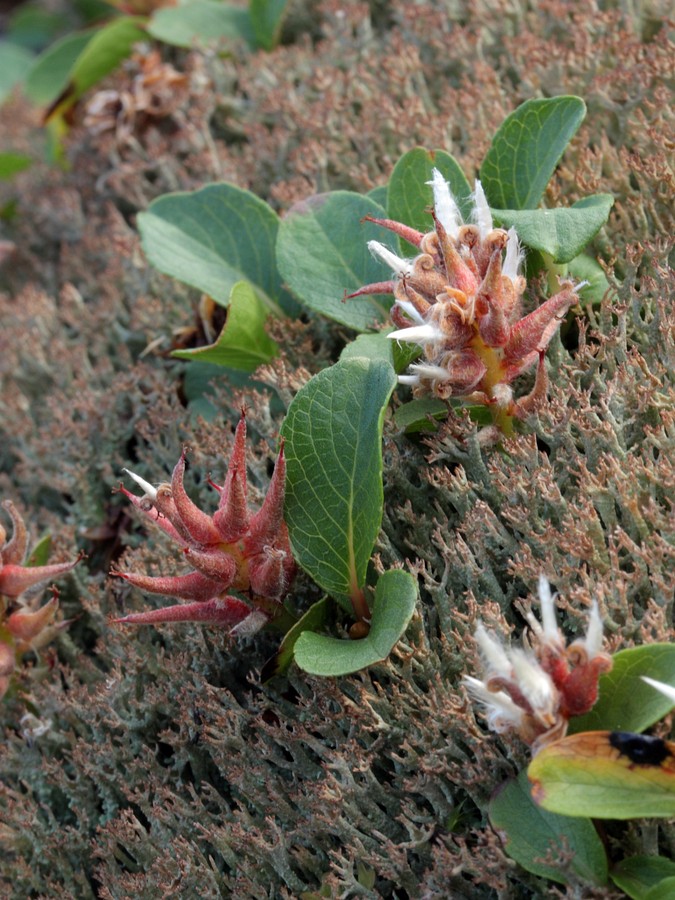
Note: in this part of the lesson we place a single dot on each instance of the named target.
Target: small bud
(358, 631)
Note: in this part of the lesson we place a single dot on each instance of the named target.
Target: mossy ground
(168, 768)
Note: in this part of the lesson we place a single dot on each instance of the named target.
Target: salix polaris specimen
(231, 549)
(460, 299)
(24, 624)
(534, 691)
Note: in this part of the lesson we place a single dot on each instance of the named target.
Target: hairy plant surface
(168, 765)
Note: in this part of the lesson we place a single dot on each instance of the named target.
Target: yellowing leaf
(243, 343)
(605, 775)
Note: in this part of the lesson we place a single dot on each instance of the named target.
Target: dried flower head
(228, 550)
(536, 690)
(24, 624)
(460, 299)
(155, 91)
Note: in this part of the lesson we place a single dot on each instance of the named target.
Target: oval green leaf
(214, 237)
(376, 345)
(393, 607)
(373, 345)
(203, 23)
(50, 72)
(526, 149)
(562, 233)
(334, 494)
(625, 702)
(664, 890)
(322, 254)
(266, 19)
(530, 834)
(312, 620)
(243, 343)
(585, 268)
(39, 555)
(379, 195)
(410, 198)
(584, 775)
(419, 415)
(13, 163)
(16, 62)
(103, 53)
(637, 875)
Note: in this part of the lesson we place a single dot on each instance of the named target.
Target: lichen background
(168, 768)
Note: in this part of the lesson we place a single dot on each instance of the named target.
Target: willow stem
(360, 606)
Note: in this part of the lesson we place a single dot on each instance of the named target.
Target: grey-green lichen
(164, 764)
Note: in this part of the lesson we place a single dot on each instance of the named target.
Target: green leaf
(410, 198)
(584, 775)
(32, 26)
(197, 388)
(204, 22)
(526, 150)
(40, 552)
(266, 18)
(49, 74)
(103, 53)
(214, 237)
(379, 195)
(532, 834)
(625, 702)
(664, 890)
(373, 345)
(16, 61)
(243, 343)
(322, 254)
(638, 874)
(562, 233)
(585, 268)
(13, 163)
(312, 620)
(334, 493)
(393, 607)
(415, 416)
(376, 345)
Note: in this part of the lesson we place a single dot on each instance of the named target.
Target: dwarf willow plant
(60, 76)
(232, 246)
(453, 259)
